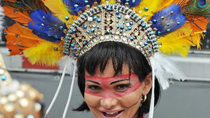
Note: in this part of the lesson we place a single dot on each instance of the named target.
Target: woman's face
(110, 96)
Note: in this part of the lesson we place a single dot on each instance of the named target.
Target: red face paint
(107, 87)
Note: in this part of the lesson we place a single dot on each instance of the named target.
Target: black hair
(119, 53)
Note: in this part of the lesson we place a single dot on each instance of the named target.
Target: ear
(147, 84)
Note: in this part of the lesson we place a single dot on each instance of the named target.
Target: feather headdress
(46, 28)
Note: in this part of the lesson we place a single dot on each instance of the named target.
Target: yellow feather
(59, 9)
(166, 4)
(179, 41)
(44, 53)
(103, 2)
(152, 5)
(111, 1)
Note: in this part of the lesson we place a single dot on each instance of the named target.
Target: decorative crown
(110, 22)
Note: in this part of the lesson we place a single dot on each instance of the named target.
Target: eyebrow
(119, 81)
(93, 82)
(121, 76)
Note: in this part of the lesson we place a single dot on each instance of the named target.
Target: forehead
(109, 70)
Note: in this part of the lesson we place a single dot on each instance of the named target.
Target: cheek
(92, 101)
(132, 99)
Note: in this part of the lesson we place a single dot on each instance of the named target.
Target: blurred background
(184, 99)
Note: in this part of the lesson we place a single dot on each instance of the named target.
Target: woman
(118, 44)
(115, 80)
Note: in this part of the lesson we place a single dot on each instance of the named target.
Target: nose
(108, 103)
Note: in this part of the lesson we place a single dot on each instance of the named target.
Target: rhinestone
(18, 116)
(107, 37)
(3, 78)
(129, 27)
(84, 26)
(140, 11)
(20, 94)
(204, 32)
(9, 107)
(117, 12)
(24, 102)
(127, 17)
(3, 100)
(124, 39)
(155, 21)
(146, 9)
(98, 20)
(12, 97)
(131, 38)
(136, 33)
(2, 71)
(89, 44)
(90, 19)
(116, 37)
(102, 38)
(127, 24)
(117, 32)
(30, 116)
(37, 107)
(67, 18)
(119, 16)
(121, 27)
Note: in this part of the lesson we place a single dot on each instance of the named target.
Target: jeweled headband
(110, 23)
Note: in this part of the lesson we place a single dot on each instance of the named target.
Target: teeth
(111, 113)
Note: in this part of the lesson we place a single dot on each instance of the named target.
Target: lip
(117, 116)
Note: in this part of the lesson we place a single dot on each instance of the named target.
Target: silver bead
(90, 19)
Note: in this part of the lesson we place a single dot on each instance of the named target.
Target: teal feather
(197, 8)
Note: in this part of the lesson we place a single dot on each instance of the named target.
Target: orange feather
(14, 49)
(181, 2)
(197, 23)
(21, 38)
(21, 17)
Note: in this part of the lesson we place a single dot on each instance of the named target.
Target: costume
(18, 100)
(51, 30)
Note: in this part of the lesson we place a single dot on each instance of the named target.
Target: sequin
(30, 116)
(3, 78)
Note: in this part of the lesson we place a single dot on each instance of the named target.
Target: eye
(94, 88)
(122, 87)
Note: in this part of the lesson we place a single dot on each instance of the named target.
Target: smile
(112, 114)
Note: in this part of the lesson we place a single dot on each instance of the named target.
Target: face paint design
(112, 87)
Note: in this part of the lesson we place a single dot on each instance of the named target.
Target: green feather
(195, 8)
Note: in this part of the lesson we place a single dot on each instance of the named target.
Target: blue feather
(168, 20)
(46, 25)
(78, 5)
(132, 3)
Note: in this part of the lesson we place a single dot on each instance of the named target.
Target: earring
(144, 98)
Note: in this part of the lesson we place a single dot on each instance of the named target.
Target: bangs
(119, 53)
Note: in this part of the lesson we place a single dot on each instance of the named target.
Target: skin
(105, 92)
